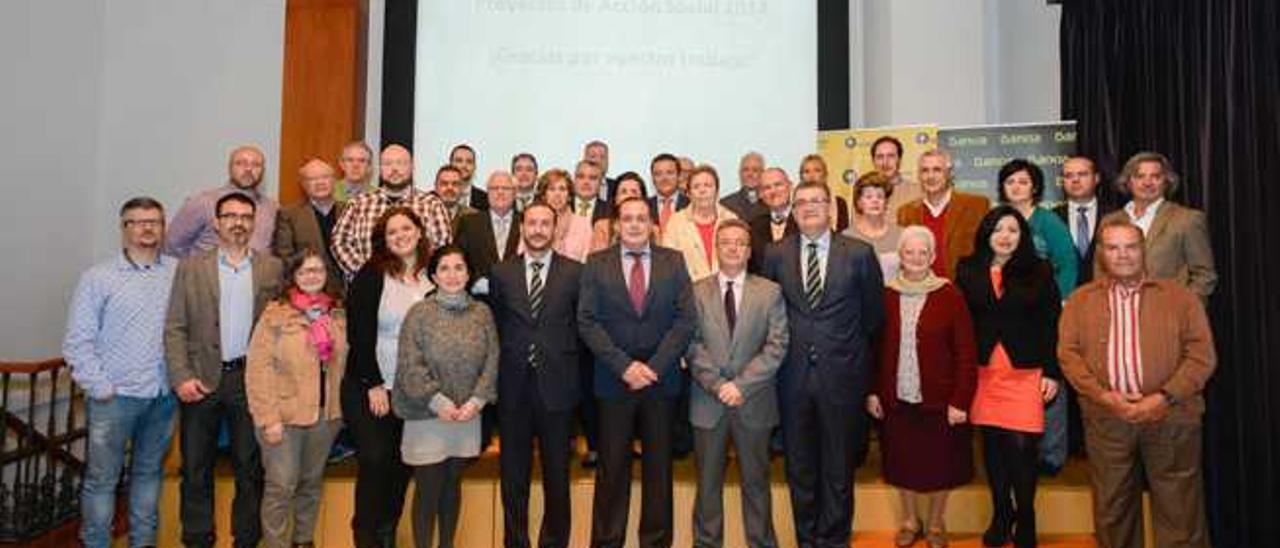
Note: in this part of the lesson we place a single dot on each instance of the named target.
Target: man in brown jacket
(216, 298)
(952, 216)
(1138, 350)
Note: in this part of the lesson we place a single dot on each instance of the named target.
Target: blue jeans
(148, 424)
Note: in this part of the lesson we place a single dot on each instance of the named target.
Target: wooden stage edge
(1063, 507)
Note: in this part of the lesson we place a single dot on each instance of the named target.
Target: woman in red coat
(923, 389)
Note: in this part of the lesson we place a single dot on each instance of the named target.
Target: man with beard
(192, 228)
(535, 302)
(463, 157)
(216, 299)
(353, 235)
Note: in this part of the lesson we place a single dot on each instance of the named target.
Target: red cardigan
(945, 349)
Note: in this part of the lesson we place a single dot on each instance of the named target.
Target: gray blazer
(1177, 248)
(192, 340)
(750, 357)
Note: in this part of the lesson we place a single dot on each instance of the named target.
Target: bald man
(191, 229)
(745, 202)
(309, 225)
(352, 242)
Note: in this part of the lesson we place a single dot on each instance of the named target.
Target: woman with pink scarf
(294, 368)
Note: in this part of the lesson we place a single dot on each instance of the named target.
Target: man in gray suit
(216, 298)
(736, 350)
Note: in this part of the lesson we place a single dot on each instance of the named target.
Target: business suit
(682, 235)
(193, 350)
(824, 379)
(748, 356)
(762, 237)
(682, 202)
(298, 228)
(617, 334)
(1177, 248)
(739, 202)
(536, 396)
(476, 235)
(1067, 211)
(961, 217)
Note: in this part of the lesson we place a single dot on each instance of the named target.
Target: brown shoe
(936, 538)
(908, 535)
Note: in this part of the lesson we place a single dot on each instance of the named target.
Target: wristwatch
(1169, 397)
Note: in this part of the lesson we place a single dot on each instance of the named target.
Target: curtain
(1199, 80)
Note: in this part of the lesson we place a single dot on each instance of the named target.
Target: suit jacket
(834, 338)
(192, 338)
(1084, 272)
(741, 205)
(1177, 249)
(479, 199)
(682, 202)
(962, 216)
(297, 229)
(554, 333)
(616, 334)
(749, 357)
(601, 209)
(762, 238)
(681, 234)
(1024, 319)
(474, 233)
(945, 350)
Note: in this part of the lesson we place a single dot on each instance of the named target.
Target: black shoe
(591, 459)
(997, 534)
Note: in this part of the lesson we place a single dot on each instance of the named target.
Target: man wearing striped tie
(1139, 351)
(535, 303)
(834, 293)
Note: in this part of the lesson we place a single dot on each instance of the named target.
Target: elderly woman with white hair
(923, 387)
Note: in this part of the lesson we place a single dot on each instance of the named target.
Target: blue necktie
(1082, 231)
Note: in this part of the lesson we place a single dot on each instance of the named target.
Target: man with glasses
(217, 297)
(834, 293)
(115, 346)
(192, 229)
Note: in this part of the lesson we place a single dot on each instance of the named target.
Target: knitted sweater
(445, 352)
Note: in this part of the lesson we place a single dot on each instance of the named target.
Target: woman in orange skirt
(1015, 305)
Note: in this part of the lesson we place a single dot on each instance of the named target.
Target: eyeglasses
(811, 203)
(733, 243)
(241, 217)
(143, 223)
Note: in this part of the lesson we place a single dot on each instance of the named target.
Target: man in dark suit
(491, 236)
(309, 225)
(636, 314)
(736, 351)
(586, 192)
(664, 171)
(775, 194)
(535, 304)
(1082, 211)
(834, 293)
(463, 157)
(217, 297)
(597, 152)
(745, 202)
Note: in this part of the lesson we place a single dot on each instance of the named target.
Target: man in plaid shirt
(353, 235)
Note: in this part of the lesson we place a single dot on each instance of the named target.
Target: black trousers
(821, 446)
(588, 418)
(651, 416)
(437, 497)
(1012, 472)
(521, 424)
(198, 437)
(381, 477)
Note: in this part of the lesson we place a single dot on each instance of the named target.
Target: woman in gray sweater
(447, 371)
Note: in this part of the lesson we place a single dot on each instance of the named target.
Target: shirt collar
(125, 262)
(1150, 211)
(823, 240)
(1091, 204)
(773, 215)
(545, 259)
(499, 217)
(223, 260)
(738, 281)
(644, 251)
(252, 193)
(937, 211)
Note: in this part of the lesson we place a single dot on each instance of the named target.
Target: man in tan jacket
(1139, 350)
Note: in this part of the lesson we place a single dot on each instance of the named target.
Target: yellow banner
(848, 153)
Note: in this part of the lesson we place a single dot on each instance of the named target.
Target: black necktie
(730, 307)
(535, 307)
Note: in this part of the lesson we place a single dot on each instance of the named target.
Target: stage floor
(1063, 507)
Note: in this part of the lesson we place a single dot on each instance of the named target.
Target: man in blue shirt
(115, 346)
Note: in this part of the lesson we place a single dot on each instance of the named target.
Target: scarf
(316, 307)
(904, 286)
(453, 302)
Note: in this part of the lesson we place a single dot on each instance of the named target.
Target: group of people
(424, 320)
